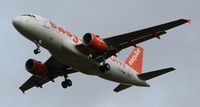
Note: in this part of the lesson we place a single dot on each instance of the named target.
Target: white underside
(63, 49)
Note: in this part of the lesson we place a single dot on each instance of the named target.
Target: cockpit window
(29, 15)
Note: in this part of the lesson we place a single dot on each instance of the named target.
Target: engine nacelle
(36, 68)
(94, 42)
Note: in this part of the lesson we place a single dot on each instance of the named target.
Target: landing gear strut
(37, 50)
(67, 82)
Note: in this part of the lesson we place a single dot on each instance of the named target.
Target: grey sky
(179, 48)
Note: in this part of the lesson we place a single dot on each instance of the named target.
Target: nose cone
(17, 21)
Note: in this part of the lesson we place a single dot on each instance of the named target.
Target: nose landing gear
(37, 50)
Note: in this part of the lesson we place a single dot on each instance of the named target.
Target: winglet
(189, 21)
(186, 21)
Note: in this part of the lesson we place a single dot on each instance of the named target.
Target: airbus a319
(91, 55)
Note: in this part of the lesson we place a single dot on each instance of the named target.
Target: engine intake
(94, 42)
(36, 68)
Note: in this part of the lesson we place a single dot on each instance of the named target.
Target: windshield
(29, 15)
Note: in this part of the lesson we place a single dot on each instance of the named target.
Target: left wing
(56, 70)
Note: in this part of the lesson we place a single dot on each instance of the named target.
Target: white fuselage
(62, 45)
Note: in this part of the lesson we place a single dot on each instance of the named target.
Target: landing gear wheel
(107, 66)
(37, 43)
(69, 82)
(104, 67)
(64, 84)
(36, 51)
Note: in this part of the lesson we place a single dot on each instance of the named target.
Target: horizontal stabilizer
(121, 87)
(152, 74)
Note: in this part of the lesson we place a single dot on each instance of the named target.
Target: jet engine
(94, 42)
(36, 68)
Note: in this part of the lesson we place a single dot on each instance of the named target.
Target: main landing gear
(37, 50)
(67, 82)
(105, 67)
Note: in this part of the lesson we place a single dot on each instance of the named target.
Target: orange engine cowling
(36, 68)
(94, 42)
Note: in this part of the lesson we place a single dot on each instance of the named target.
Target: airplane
(91, 54)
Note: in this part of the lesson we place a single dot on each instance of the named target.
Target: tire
(36, 51)
(102, 69)
(107, 67)
(69, 82)
(64, 84)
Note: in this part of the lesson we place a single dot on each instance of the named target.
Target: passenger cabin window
(29, 15)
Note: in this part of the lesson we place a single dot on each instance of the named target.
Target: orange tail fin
(135, 59)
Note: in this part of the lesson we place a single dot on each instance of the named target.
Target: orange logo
(134, 57)
(65, 32)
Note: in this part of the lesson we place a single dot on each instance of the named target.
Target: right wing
(119, 42)
(125, 40)
(56, 70)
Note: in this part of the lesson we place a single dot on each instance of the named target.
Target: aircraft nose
(17, 21)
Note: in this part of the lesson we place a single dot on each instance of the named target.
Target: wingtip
(172, 68)
(22, 91)
(115, 91)
(188, 21)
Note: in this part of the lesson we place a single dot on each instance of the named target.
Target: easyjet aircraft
(90, 55)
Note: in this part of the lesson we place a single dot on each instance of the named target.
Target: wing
(117, 43)
(55, 68)
(125, 40)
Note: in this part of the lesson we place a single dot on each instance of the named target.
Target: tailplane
(135, 59)
(145, 76)
(121, 87)
(153, 74)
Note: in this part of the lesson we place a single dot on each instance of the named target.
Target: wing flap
(139, 40)
(31, 82)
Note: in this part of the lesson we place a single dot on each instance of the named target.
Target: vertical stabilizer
(135, 59)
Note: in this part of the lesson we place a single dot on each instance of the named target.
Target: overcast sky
(178, 48)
